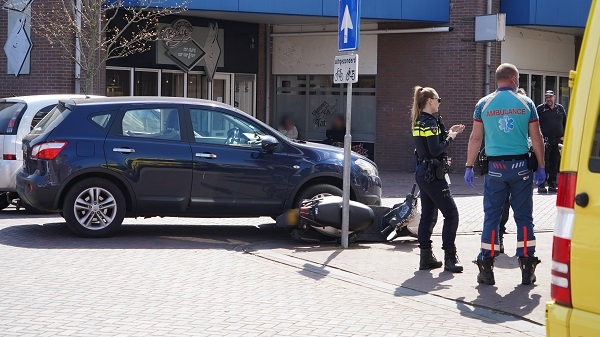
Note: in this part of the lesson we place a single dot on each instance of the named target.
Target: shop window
(312, 100)
(550, 83)
(524, 82)
(536, 92)
(564, 93)
(145, 83)
(243, 96)
(171, 84)
(197, 86)
(118, 82)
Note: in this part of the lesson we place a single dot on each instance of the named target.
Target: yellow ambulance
(575, 288)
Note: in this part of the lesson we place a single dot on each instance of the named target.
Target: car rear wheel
(315, 190)
(94, 208)
(4, 200)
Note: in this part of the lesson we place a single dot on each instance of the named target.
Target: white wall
(539, 51)
(293, 55)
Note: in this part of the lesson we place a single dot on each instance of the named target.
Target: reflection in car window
(51, 120)
(41, 114)
(152, 123)
(216, 127)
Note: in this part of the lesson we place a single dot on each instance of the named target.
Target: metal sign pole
(347, 159)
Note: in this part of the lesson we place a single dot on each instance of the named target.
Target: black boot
(451, 262)
(527, 265)
(428, 260)
(486, 271)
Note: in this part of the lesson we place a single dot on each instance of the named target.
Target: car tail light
(560, 288)
(12, 122)
(9, 156)
(47, 151)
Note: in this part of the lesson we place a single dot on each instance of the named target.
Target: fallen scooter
(320, 219)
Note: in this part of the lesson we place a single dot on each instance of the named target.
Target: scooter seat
(329, 213)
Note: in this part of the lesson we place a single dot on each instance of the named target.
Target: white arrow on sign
(346, 23)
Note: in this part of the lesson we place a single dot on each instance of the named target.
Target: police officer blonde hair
(420, 97)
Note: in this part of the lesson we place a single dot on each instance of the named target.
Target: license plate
(291, 217)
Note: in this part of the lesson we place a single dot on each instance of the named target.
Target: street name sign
(348, 25)
(345, 69)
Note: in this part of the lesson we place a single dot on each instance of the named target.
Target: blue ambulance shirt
(505, 116)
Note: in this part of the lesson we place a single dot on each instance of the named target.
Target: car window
(41, 114)
(101, 120)
(10, 115)
(215, 127)
(152, 123)
(51, 120)
(594, 163)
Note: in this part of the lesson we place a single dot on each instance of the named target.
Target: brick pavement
(197, 280)
(61, 285)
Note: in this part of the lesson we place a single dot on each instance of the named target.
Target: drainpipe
(488, 55)
(77, 47)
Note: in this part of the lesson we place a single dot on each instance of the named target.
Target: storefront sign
(18, 44)
(181, 46)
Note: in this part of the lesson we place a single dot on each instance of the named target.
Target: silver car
(18, 115)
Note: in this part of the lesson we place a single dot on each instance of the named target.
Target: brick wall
(449, 62)
(49, 72)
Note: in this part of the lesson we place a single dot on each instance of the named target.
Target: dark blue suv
(98, 160)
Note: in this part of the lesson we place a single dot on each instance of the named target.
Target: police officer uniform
(552, 124)
(431, 144)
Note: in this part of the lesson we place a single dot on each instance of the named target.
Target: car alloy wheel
(94, 208)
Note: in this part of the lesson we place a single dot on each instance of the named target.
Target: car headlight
(367, 167)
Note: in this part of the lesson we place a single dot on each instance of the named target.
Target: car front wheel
(315, 190)
(94, 208)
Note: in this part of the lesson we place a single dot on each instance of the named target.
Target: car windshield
(10, 115)
(52, 119)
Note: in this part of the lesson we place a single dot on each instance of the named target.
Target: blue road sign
(348, 25)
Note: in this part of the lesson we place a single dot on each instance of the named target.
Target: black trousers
(436, 195)
(552, 158)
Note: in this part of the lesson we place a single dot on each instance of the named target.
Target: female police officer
(431, 143)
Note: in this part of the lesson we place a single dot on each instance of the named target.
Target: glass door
(221, 88)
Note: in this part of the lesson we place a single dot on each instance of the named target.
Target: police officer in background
(552, 122)
(431, 142)
(505, 119)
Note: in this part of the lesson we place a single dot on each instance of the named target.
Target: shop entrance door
(221, 88)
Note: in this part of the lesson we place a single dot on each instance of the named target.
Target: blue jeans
(508, 177)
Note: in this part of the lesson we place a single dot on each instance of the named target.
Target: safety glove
(469, 176)
(539, 176)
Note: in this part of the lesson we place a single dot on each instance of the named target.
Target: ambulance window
(594, 165)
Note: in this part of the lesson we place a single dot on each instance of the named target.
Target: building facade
(274, 58)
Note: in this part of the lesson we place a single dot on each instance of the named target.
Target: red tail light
(560, 288)
(9, 156)
(47, 151)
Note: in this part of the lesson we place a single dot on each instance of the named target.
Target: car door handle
(206, 155)
(123, 150)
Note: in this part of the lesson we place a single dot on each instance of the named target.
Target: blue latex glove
(469, 176)
(539, 176)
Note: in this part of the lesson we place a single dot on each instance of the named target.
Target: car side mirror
(269, 143)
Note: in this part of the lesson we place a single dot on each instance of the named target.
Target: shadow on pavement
(519, 299)
(57, 235)
(424, 282)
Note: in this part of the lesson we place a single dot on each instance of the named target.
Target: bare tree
(91, 32)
